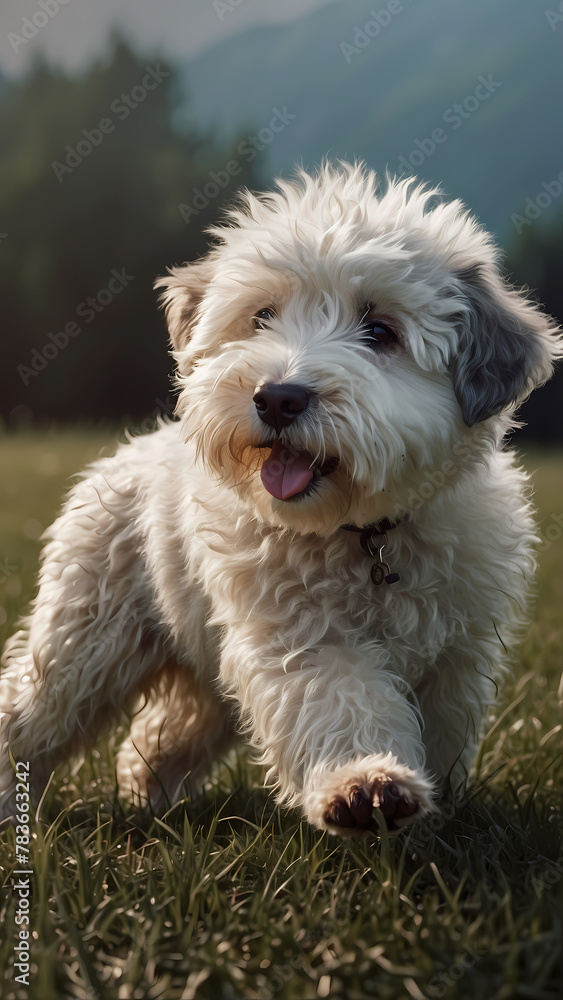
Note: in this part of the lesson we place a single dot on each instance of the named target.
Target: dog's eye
(375, 333)
(263, 317)
(378, 334)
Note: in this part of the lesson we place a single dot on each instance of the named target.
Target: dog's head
(337, 344)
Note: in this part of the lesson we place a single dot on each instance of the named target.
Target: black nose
(279, 405)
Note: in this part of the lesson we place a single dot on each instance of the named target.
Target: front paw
(344, 800)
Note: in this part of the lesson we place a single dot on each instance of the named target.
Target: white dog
(331, 549)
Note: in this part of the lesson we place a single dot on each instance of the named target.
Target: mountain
(381, 82)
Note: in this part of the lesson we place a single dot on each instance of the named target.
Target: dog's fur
(174, 585)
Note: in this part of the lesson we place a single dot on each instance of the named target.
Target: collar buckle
(373, 539)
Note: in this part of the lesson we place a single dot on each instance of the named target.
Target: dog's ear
(506, 346)
(184, 289)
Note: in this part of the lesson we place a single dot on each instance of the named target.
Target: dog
(330, 552)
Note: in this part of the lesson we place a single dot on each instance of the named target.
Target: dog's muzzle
(287, 473)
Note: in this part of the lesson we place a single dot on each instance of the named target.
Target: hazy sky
(77, 30)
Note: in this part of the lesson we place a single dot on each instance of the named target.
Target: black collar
(379, 526)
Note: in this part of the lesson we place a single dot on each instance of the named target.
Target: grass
(234, 897)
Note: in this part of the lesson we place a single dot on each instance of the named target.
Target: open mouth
(288, 474)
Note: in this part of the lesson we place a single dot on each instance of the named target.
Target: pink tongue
(286, 472)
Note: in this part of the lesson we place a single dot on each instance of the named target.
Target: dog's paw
(344, 800)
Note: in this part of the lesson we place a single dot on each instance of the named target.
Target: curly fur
(175, 586)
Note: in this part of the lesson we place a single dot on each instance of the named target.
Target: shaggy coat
(347, 359)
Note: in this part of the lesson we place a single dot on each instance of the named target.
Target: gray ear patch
(506, 346)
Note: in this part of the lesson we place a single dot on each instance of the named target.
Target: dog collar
(373, 539)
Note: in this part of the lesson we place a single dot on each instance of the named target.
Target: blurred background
(126, 126)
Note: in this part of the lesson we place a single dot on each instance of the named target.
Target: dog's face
(336, 346)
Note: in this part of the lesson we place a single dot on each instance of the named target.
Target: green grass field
(233, 897)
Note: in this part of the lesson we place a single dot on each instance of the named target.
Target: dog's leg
(59, 715)
(181, 728)
(336, 728)
(88, 643)
(453, 701)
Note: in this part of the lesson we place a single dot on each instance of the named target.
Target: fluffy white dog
(331, 549)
